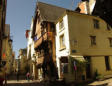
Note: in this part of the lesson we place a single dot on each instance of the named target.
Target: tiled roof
(50, 12)
(103, 8)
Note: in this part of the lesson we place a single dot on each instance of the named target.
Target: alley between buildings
(64, 47)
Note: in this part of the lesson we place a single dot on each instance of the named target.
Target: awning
(79, 58)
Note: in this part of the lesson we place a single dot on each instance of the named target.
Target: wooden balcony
(44, 37)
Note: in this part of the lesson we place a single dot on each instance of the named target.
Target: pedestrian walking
(28, 76)
(1, 81)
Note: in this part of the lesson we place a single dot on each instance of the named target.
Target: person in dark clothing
(17, 76)
(1, 81)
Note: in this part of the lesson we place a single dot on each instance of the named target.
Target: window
(61, 25)
(110, 41)
(107, 63)
(62, 41)
(96, 23)
(93, 40)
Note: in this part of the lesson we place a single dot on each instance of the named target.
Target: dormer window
(96, 23)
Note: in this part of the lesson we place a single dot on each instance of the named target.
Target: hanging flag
(75, 67)
(4, 55)
(35, 38)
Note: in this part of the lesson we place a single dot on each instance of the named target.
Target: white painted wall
(30, 44)
(66, 51)
(77, 32)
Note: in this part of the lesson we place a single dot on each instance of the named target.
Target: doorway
(88, 66)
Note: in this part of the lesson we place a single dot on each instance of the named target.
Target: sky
(19, 15)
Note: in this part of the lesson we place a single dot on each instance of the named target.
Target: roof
(50, 12)
(103, 9)
(69, 12)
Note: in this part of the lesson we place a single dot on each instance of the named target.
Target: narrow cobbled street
(55, 42)
(107, 82)
(32, 83)
(23, 83)
(12, 80)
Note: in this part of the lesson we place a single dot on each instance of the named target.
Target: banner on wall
(75, 67)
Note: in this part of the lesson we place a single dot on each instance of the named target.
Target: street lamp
(10, 41)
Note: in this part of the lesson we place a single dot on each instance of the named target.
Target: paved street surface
(12, 81)
(107, 82)
(23, 83)
(30, 83)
